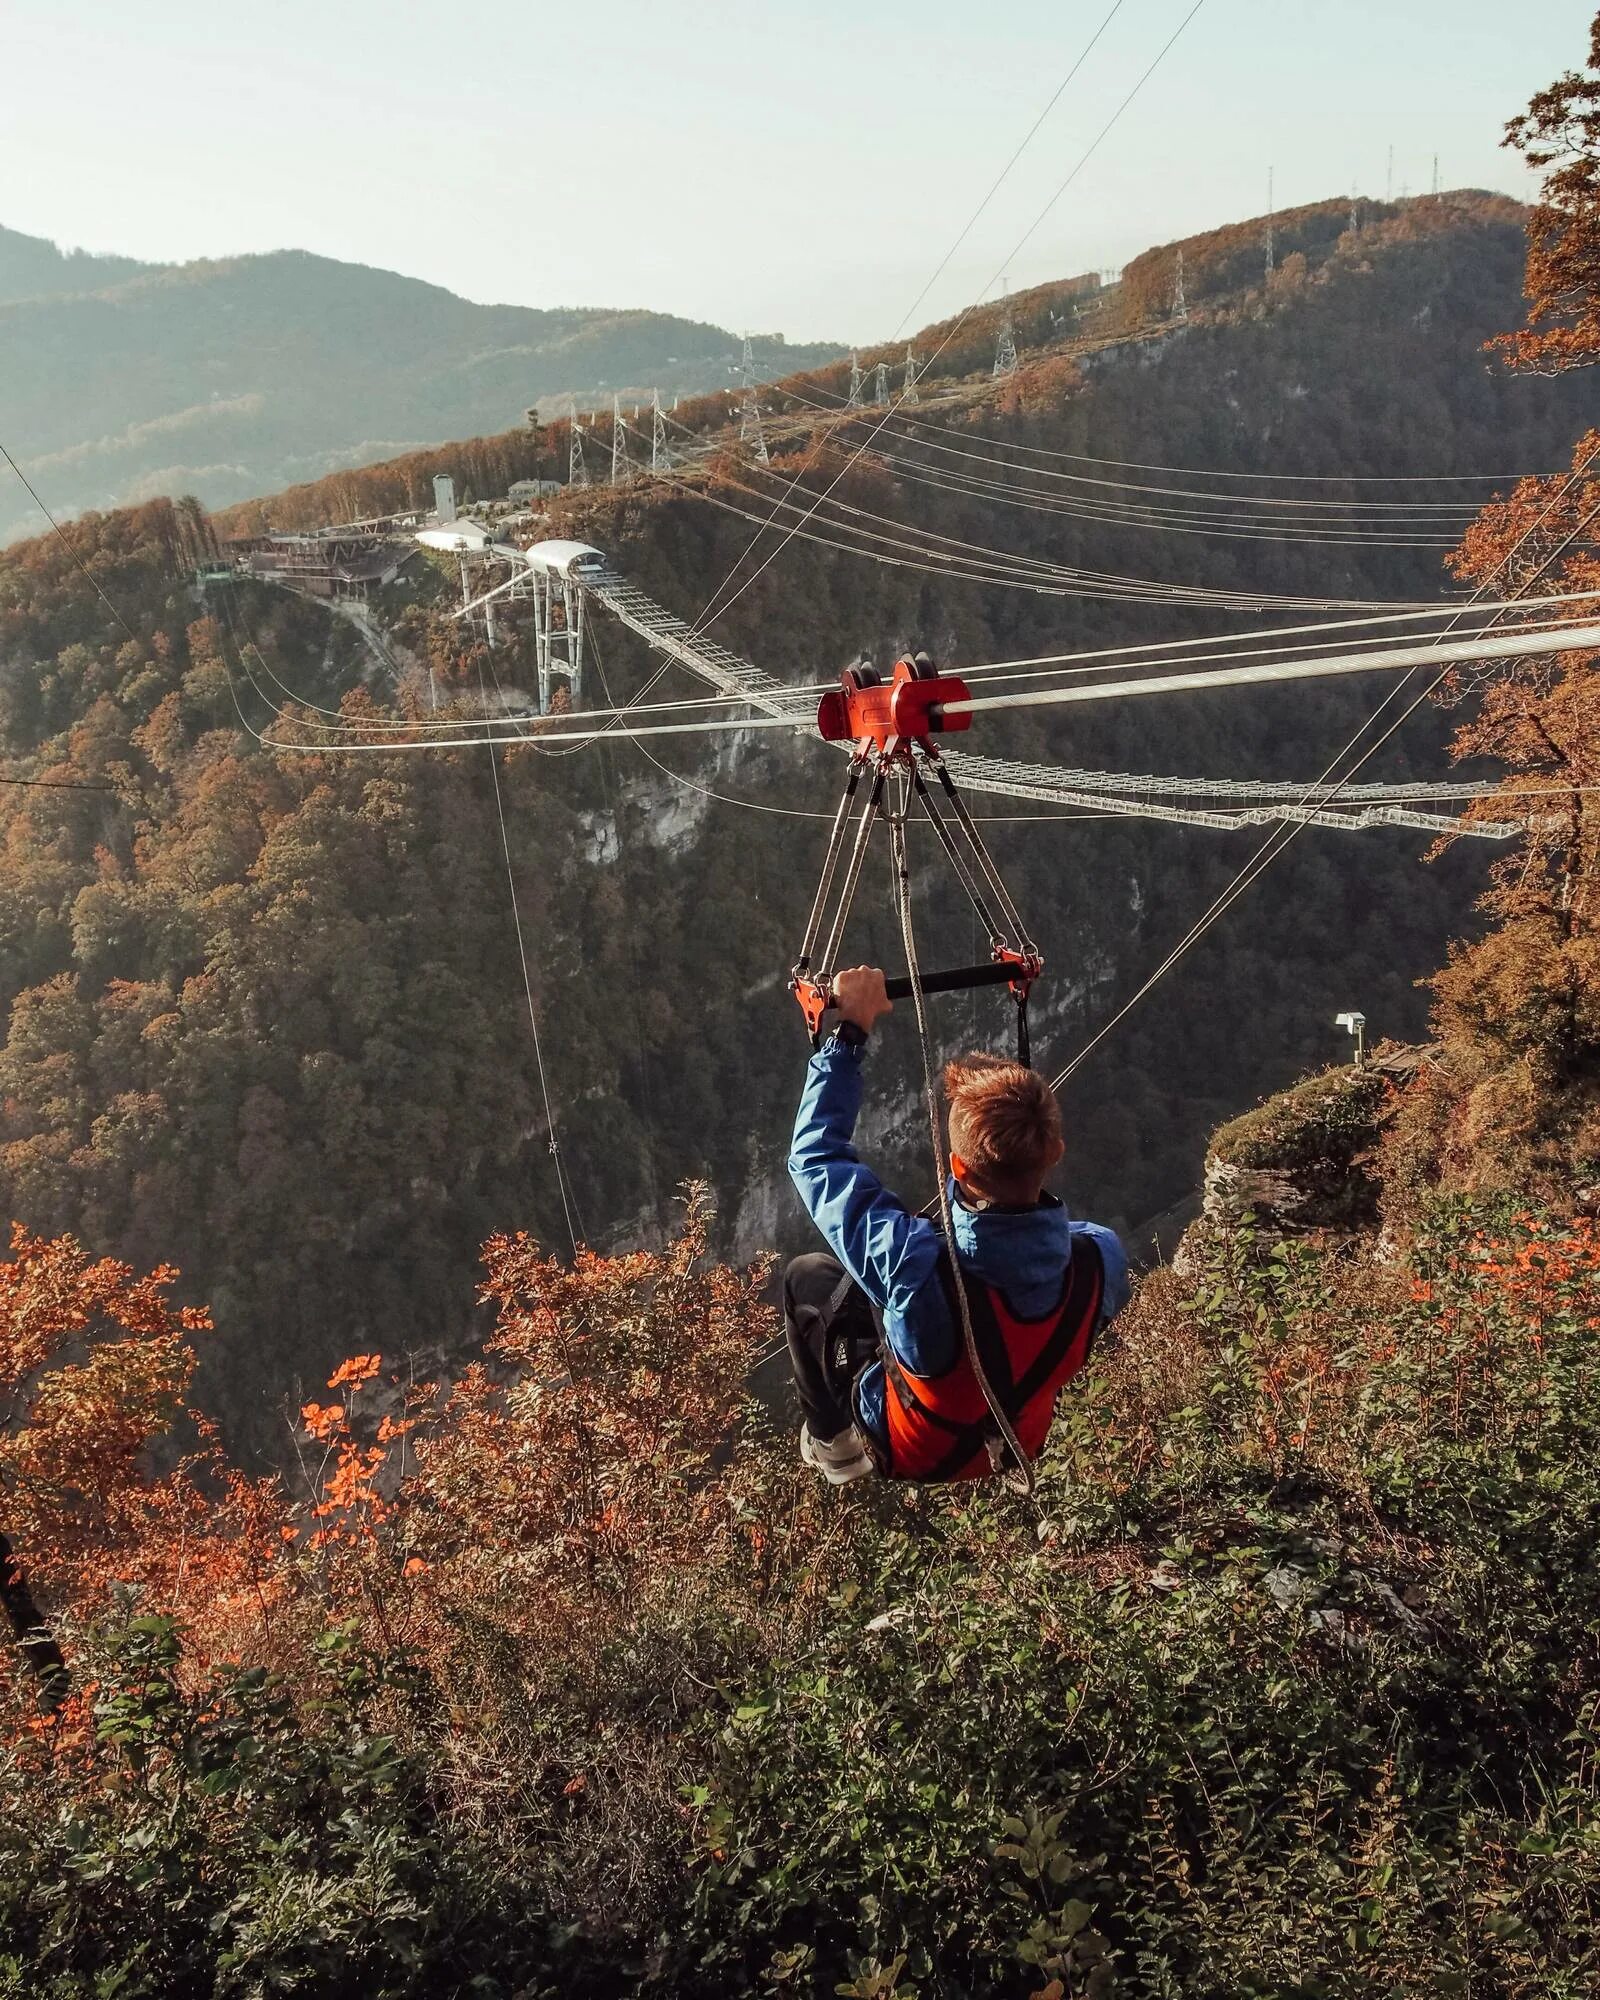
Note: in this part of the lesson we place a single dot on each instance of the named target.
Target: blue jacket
(893, 1255)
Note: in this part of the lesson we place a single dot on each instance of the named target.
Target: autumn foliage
(1559, 134)
(94, 1366)
(551, 1670)
(1515, 1099)
(568, 1667)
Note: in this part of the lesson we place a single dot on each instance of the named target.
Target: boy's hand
(859, 996)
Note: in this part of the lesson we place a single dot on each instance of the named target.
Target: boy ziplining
(904, 1400)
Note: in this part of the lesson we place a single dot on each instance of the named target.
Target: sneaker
(840, 1459)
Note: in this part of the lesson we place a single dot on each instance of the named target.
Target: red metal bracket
(815, 997)
(894, 713)
(1027, 967)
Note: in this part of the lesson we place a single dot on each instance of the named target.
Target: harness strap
(999, 1435)
(1079, 1302)
(837, 1297)
(970, 1438)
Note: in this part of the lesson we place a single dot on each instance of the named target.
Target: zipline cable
(1515, 645)
(1119, 655)
(568, 1203)
(611, 789)
(1372, 642)
(1283, 836)
(66, 543)
(709, 614)
(706, 613)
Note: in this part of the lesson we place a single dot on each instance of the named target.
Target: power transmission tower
(660, 450)
(1180, 305)
(750, 432)
(882, 395)
(577, 471)
(1005, 348)
(1355, 212)
(621, 468)
(910, 393)
(1436, 176)
(853, 402)
(1271, 256)
(1388, 179)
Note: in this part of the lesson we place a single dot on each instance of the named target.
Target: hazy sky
(800, 167)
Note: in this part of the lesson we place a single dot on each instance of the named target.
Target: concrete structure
(462, 537)
(325, 565)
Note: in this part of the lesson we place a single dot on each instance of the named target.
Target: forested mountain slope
(227, 378)
(31, 267)
(266, 1015)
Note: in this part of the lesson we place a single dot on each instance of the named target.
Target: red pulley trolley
(890, 722)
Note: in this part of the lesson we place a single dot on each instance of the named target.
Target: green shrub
(227, 1834)
(1290, 1681)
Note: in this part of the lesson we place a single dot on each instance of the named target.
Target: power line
(57, 784)
(997, 567)
(1001, 567)
(708, 614)
(94, 584)
(1152, 520)
(1283, 836)
(66, 543)
(1194, 504)
(914, 427)
(924, 423)
(1000, 178)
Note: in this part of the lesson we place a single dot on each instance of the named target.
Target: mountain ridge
(296, 362)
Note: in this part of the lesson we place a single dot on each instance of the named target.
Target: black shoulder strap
(1085, 1286)
(1082, 1287)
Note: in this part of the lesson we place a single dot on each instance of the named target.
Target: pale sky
(801, 168)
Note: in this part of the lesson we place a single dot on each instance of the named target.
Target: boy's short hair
(1004, 1119)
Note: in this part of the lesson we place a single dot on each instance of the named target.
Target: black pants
(832, 1337)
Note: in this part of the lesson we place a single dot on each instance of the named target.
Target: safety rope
(569, 1199)
(1019, 1475)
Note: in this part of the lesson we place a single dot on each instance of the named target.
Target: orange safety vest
(939, 1424)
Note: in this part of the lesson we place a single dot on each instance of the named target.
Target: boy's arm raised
(888, 1251)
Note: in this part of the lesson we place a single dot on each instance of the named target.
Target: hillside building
(326, 565)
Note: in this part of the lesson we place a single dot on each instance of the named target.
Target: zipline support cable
(890, 722)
